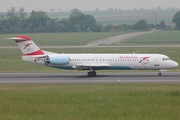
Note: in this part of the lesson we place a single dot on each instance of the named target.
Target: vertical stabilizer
(27, 46)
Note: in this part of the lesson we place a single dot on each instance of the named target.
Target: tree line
(38, 21)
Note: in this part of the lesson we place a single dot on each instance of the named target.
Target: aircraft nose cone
(176, 64)
(171, 64)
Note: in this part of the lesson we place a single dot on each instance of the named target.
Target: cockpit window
(164, 59)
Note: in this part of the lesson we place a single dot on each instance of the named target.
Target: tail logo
(26, 45)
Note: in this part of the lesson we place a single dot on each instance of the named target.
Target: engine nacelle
(58, 60)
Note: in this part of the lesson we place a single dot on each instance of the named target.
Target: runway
(122, 77)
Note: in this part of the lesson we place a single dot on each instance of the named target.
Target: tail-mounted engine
(56, 60)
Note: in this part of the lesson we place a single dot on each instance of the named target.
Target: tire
(89, 74)
(93, 73)
(159, 74)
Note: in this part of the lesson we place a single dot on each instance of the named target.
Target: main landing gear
(159, 74)
(91, 73)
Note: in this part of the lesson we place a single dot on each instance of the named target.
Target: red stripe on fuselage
(39, 52)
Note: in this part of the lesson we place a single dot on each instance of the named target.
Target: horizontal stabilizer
(19, 38)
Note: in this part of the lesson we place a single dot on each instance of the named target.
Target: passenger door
(156, 62)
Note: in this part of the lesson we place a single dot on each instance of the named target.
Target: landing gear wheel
(93, 73)
(90, 74)
(159, 74)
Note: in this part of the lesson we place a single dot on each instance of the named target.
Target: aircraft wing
(95, 66)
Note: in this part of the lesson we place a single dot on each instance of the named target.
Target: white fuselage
(32, 53)
(110, 61)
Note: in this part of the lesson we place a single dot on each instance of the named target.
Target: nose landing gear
(161, 70)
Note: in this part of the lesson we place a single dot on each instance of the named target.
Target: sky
(86, 5)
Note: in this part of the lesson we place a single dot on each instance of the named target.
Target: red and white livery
(92, 62)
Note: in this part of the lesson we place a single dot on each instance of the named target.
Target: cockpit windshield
(164, 59)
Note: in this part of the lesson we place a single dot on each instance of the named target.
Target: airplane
(92, 62)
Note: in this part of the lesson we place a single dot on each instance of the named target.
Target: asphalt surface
(123, 77)
(118, 38)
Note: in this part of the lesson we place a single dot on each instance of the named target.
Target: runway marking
(53, 78)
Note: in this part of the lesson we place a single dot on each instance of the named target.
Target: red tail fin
(27, 46)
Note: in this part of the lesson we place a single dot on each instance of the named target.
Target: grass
(59, 39)
(75, 39)
(10, 59)
(90, 101)
(161, 37)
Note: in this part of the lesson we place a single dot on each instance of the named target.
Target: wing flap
(92, 66)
